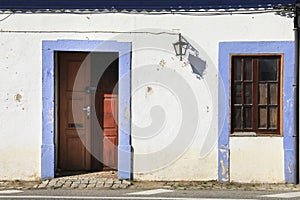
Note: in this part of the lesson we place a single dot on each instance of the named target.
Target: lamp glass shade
(180, 48)
(177, 48)
(184, 47)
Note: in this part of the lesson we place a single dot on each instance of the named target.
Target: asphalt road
(154, 194)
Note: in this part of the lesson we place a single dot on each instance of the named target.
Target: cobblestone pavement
(214, 185)
(109, 180)
(99, 180)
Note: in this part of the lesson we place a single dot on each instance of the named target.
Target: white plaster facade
(261, 154)
(152, 51)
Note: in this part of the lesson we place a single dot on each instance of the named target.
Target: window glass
(262, 113)
(248, 69)
(237, 93)
(237, 68)
(237, 117)
(248, 93)
(247, 117)
(268, 68)
(262, 90)
(273, 117)
(273, 92)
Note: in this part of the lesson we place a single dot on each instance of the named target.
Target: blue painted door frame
(48, 100)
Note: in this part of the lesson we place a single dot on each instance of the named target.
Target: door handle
(88, 111)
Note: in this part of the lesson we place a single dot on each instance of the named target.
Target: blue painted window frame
(265, 47)
(48, 100)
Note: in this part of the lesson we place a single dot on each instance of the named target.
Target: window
(255, 94)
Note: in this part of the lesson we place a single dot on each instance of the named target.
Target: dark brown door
(79, 115)
(74, 131)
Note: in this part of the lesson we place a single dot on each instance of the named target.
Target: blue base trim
(48, 115)
(124, 164)
(227, 48)
(48, 161)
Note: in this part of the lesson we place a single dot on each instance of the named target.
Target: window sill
(244, 134)
(254, 134)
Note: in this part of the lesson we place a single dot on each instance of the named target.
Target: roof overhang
(140, 4)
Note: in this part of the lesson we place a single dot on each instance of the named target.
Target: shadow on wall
(198, 65)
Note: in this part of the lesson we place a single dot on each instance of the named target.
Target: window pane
(273, 93)
(237, 68)
(273, 117)
(237, 116)
(248, 69)
(237, 93)
(247, 117)
(268, 68)
(248, 93)
(262, 115)
(262, 94)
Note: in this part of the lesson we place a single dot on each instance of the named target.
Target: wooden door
(74, 127)
(110, 130)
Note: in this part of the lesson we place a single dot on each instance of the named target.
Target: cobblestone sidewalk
(98, 180)
(82, 184)
(109, 180)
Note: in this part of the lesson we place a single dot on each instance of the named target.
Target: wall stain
(149, 91)
(18, 97)
(290, 167)
(127, 114)
(50, 116)
(162, 63)
(185, 64)
(224, 151)
(224, 163)
(224, 169)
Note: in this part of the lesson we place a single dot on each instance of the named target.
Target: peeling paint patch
(149, 91)
(18, 97)
(224, 151)
(185, 64)
(224, 168)
(18, 100)
(50, 72)
(162, 63)
(224, 163)
(127, 114)
(50, 116)
(290, 167)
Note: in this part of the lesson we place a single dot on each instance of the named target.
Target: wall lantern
(181, 46)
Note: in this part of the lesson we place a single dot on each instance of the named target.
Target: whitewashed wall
(21, 83)
(257, 159)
